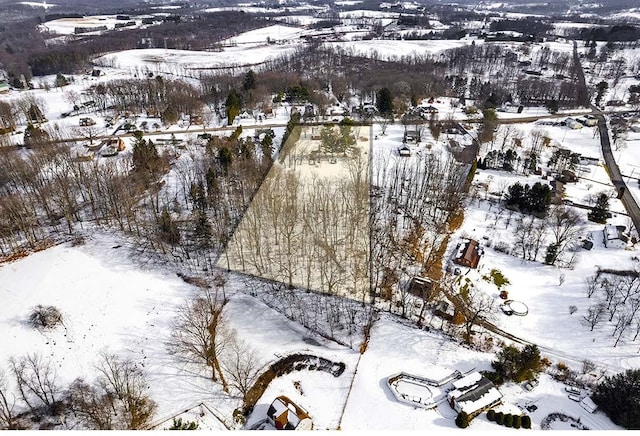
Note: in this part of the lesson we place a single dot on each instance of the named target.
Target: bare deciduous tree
(197, 333)
(240, 362)
(125, 386)
(595, 315)
(8, 419)
(36, 380)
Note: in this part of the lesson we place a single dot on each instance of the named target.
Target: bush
(45, 317)
(499, 418)
(526, 421)
(178, 424)
(494, 377)
(517, 421)
(518, 365)
(491, 415)
(508, 420)
(462, 420)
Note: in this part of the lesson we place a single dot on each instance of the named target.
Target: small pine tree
(499, 418)
(526, 421)
(462, 420)
(178, 424)
(168, 229)
(517, 421)
(508, 420)
(491, 415)
(203, 230)
(551, 255)
(600, 211)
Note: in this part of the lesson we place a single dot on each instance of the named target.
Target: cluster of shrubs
(509, 420)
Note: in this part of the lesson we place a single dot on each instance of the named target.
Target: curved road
(628, 201)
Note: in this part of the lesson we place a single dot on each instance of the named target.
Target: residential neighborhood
(320, 216)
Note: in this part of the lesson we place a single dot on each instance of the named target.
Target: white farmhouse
(473, 394)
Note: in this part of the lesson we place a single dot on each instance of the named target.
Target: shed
(404, 151)
(421, 287)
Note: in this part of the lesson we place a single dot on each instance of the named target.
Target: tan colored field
(308, 225)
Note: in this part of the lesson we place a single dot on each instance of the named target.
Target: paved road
(628, 201)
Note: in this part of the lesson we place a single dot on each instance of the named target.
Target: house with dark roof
(473, 394)
(615, 236)
(470, 254)
(284, 414)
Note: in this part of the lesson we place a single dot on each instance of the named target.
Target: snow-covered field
(112, 303)
(158, 60)
(391, 48)
(275, 33)
(100, 318)
(67, 26)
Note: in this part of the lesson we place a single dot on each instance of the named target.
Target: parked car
(531, 384)
(575, 398)
(572, 390)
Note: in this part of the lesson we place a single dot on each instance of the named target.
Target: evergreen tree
(145, 158)
(538, 198)
(249, 80)
(601, 88)
(267, 147)
(600, 211)
(170, 116)
(167, 228)
(384, 101)
(202, 231)
(517, 421)
(198, 196)
(518, 365)
(526, 421)
(178, 424)
(508, 420)
(619, 397)
(551, 255)
(225, 157)
(462, 420)
(233, 104)
(515, 194)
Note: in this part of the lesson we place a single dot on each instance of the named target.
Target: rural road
(628, 201)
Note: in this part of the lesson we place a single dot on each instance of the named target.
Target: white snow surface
(112, 304)
(160, 60)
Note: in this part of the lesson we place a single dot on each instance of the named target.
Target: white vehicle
(572, 390)
(531, 384)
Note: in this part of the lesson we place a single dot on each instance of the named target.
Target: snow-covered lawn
(395, 347)
(110, 303)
